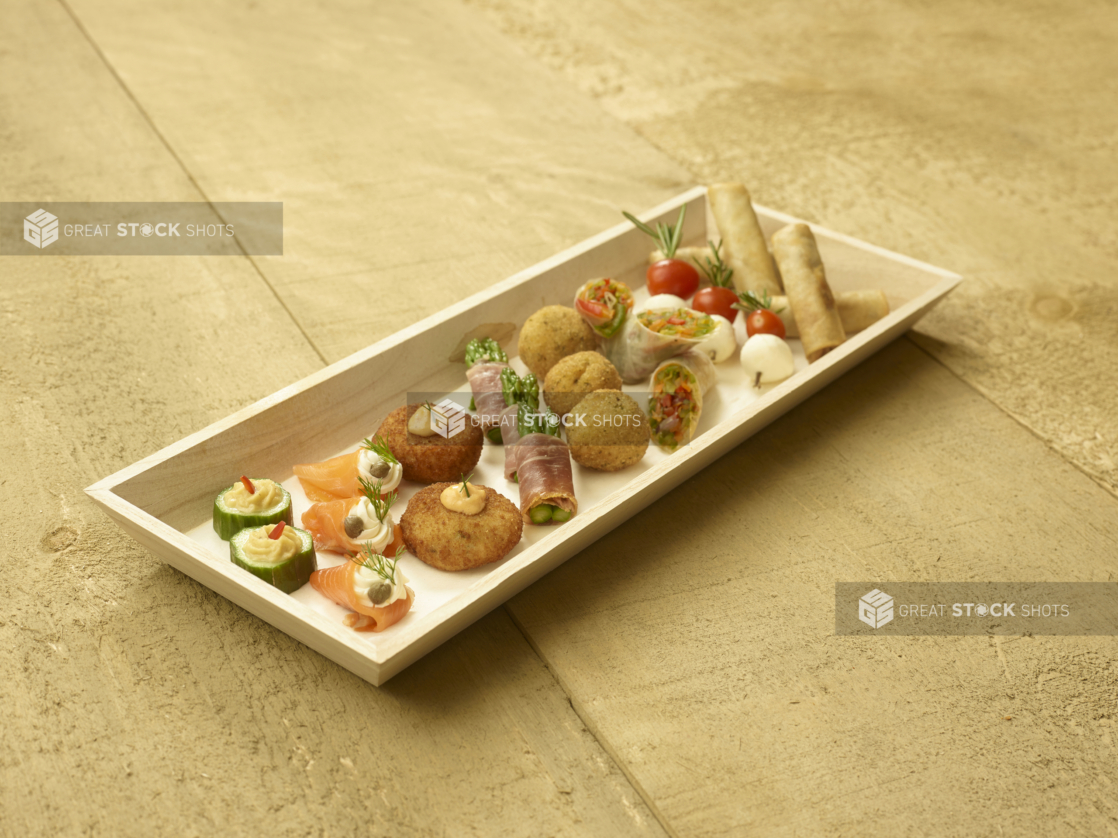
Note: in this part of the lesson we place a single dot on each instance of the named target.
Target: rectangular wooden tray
(165, 501)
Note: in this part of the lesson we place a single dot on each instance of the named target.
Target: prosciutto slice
(544, 469)
(489, 400)
(510, 435)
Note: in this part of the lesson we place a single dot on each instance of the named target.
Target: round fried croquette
(427, 459)
(577, 376)
(610, 432)
(552, 333)
(452, 541)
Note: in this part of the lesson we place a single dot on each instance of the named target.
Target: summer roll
(676, 402)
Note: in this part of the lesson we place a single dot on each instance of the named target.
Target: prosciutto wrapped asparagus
(540, 461)
(485, 361)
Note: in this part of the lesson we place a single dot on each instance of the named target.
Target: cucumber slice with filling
(288, 575)
(228, 522)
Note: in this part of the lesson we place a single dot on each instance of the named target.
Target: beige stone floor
(426, 150)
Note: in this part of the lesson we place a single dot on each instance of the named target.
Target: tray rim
(376, 662)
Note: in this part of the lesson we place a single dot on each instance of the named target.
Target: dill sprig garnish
(376, 562)
(372, 492)
(379, 446)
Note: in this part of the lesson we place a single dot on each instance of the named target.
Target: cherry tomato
(764, 322)
(715, 300)
(672, 276)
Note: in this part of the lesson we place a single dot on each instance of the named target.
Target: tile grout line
(593, 729)
(197, 186)
(1036, 434)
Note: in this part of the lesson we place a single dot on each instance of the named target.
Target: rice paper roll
(546, 479)
(675, 404)
(650, 337)
(857, 310)
(743, 242)
(489, 398)
(604, 304)
(809, 295)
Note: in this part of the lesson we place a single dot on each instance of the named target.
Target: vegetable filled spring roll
(654, 336)
(743, 243)
(857, 310)
(604, 304)
(809, 295)
(676, 402)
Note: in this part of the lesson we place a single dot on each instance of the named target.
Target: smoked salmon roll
(348, 526)
(340, 477)
(371, 586)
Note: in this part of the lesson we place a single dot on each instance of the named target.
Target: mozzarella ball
(767, 359)
(720, 344)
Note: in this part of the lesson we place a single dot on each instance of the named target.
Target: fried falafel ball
(552, 333)
(453, 541)
(576, 377)
(427, 459)
(612, 431)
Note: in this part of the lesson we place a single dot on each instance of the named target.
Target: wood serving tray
(165, 501)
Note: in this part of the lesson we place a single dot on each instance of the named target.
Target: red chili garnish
(248, 485)
(278, 531)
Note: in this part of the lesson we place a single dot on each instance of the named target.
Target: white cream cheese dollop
(369, 460)
(378, 533)
(365, 578)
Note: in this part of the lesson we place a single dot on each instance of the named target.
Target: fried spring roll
(809, 295)
(857, 310)
(743, 243)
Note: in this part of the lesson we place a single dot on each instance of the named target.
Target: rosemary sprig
(379, 446)
(666, 235)
(749, 301)
(372, 492)
(380, 565)
(716, 271)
